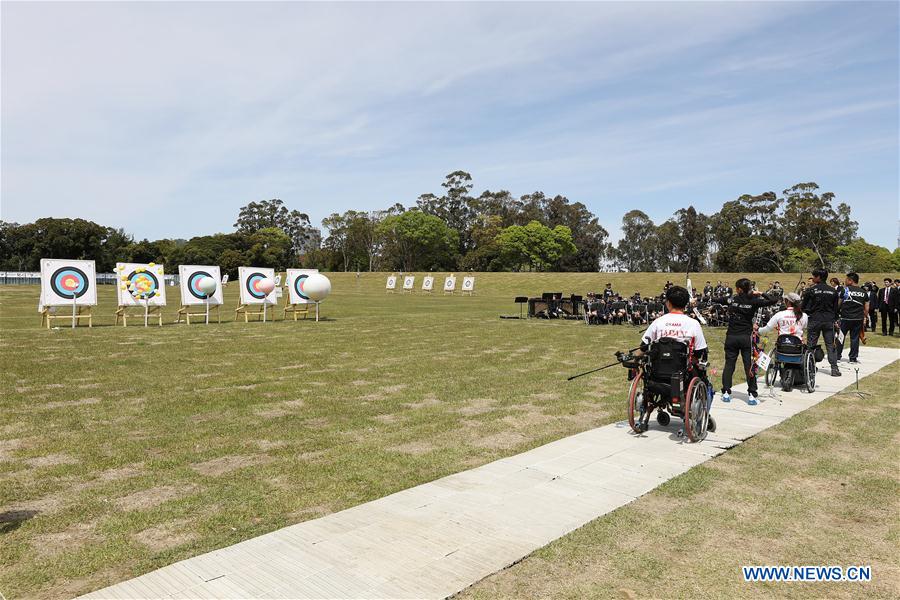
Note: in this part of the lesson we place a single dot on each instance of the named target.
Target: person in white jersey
(676, 324)
(790, 322)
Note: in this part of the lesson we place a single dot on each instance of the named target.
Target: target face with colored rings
(69, 282)
(143, 284)
(253, 285)
(194, 281)
(298, 285)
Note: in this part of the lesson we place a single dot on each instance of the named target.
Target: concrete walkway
(436, 539)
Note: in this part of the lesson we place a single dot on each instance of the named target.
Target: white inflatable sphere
(266, 285)
(207, 285)
(317, 287)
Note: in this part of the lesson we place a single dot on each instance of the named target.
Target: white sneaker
(726, 397)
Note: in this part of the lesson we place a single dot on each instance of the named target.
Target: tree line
(456, 230)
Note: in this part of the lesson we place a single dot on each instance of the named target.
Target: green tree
(265, 214)
(485, 255)
(728, 231)
(270, 247)
(535, 245)
(418, 241)
(230, 260)
(800, 260)
(637, 250)
(666, 257)
(814, 222)
(760, 254)
(692, 243)
(455, 207)
(862, 257)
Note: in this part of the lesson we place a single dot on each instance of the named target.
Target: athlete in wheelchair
(668, 372)
(792, 361)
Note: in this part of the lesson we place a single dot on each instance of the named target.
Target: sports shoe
(726, 397)
(752, 400)
(835, 372)
(854, 361)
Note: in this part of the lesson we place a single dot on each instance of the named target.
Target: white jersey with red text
(786, 323)
(678, 326)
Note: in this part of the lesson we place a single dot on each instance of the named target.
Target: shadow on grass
(12, 519)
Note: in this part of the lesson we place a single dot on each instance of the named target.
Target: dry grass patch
(503, 440)
(227, 464)
(266, 445)
(477, 406)
(273, 411)
(51, 460)
(425, 402)
(148, 498)
(166, 535)
(70, 403)
(416, 448)
(73, 537)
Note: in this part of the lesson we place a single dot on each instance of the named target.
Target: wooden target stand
(295, 310)
(184, 313)
(151, 313)
(50, 314)
(261, 313)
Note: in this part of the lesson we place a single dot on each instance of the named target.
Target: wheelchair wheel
(696, 411)
(809, 372)
(662, 417)
(635, 402)
(771, 374)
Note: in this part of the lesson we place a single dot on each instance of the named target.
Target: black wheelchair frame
(648, 394)
(789, 359)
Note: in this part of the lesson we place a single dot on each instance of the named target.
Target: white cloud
(195, 109)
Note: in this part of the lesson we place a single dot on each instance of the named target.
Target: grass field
(124, 449)
(820, 488)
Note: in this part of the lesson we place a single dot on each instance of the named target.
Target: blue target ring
(253, 281)
(193, 282)
(69, 282)
(298, 285)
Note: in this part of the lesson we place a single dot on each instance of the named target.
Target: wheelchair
(669, 380)
(794, 363)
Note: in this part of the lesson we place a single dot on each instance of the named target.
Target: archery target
(428, 284)
(450, 284)
(65, 280)
(190, 276)
(140, 282)
(408, 282)
(250, 278)
(468, 284)
(295, 280)
(391, 282)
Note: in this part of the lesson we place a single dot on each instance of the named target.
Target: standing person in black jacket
(886, 306)
(820, 302)
(872, 288)
(741, 322)
(854, 311)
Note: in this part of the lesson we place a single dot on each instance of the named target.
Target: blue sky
(165, 118)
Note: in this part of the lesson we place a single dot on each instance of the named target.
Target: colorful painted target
(193, 284)
(299, 281)
(69, 282)
(143, 284)
(252, 283)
